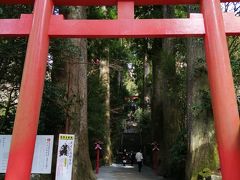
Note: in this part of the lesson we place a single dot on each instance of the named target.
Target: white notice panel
(65, 157)
(5, 141)
(42, 160)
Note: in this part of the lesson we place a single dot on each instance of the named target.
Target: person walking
(132, 157)
(139, 159)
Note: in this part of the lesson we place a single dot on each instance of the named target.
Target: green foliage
(12, 50)
(143, 117)
(131, 87)
(53, 112)
(180, 11)
(206, 99)
(96, 116)
(96, 110)
(168, 64)
(148, 12)
(14, 11)
(114, 49)
(235, 68)
(234, 44)
(12, 54)
(118, 53)
(8, 102)
(200, 67)
(204, 105)
(6, 122)
(102, 12)
(204, 174)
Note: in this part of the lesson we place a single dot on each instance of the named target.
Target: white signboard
(42, 159)
(65, 157)
(5, 141)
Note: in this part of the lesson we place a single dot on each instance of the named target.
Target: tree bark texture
(156, 102)
(202, 151)
(146, 85)
(172, 116)
(72, 76)
(166, 116)
(105, 78)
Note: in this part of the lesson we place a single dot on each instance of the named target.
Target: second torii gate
(42, 25)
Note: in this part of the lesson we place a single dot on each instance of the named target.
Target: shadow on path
(120, 172)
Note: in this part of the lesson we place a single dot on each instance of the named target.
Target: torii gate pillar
(26, 121)
(223, 96)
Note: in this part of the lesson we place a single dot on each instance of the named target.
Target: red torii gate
(42, 25)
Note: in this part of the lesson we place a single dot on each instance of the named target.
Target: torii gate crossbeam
(42, 25)
(109, 2)
(131, 28)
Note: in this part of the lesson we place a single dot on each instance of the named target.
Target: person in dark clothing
(132, 157)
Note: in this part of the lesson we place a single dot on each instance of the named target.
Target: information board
(65, 157)
(42, 160)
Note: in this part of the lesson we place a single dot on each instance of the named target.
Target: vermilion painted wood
(125, 9)
(224, 102)
(59, 27)
(27, 116)
(44, 26)
(16, 27)
(109, 2)
(232, 24)
(125, 28)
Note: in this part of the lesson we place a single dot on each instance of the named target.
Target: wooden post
(224, 101)
(28, 110)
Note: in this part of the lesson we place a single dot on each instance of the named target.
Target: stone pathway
(120, 172)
